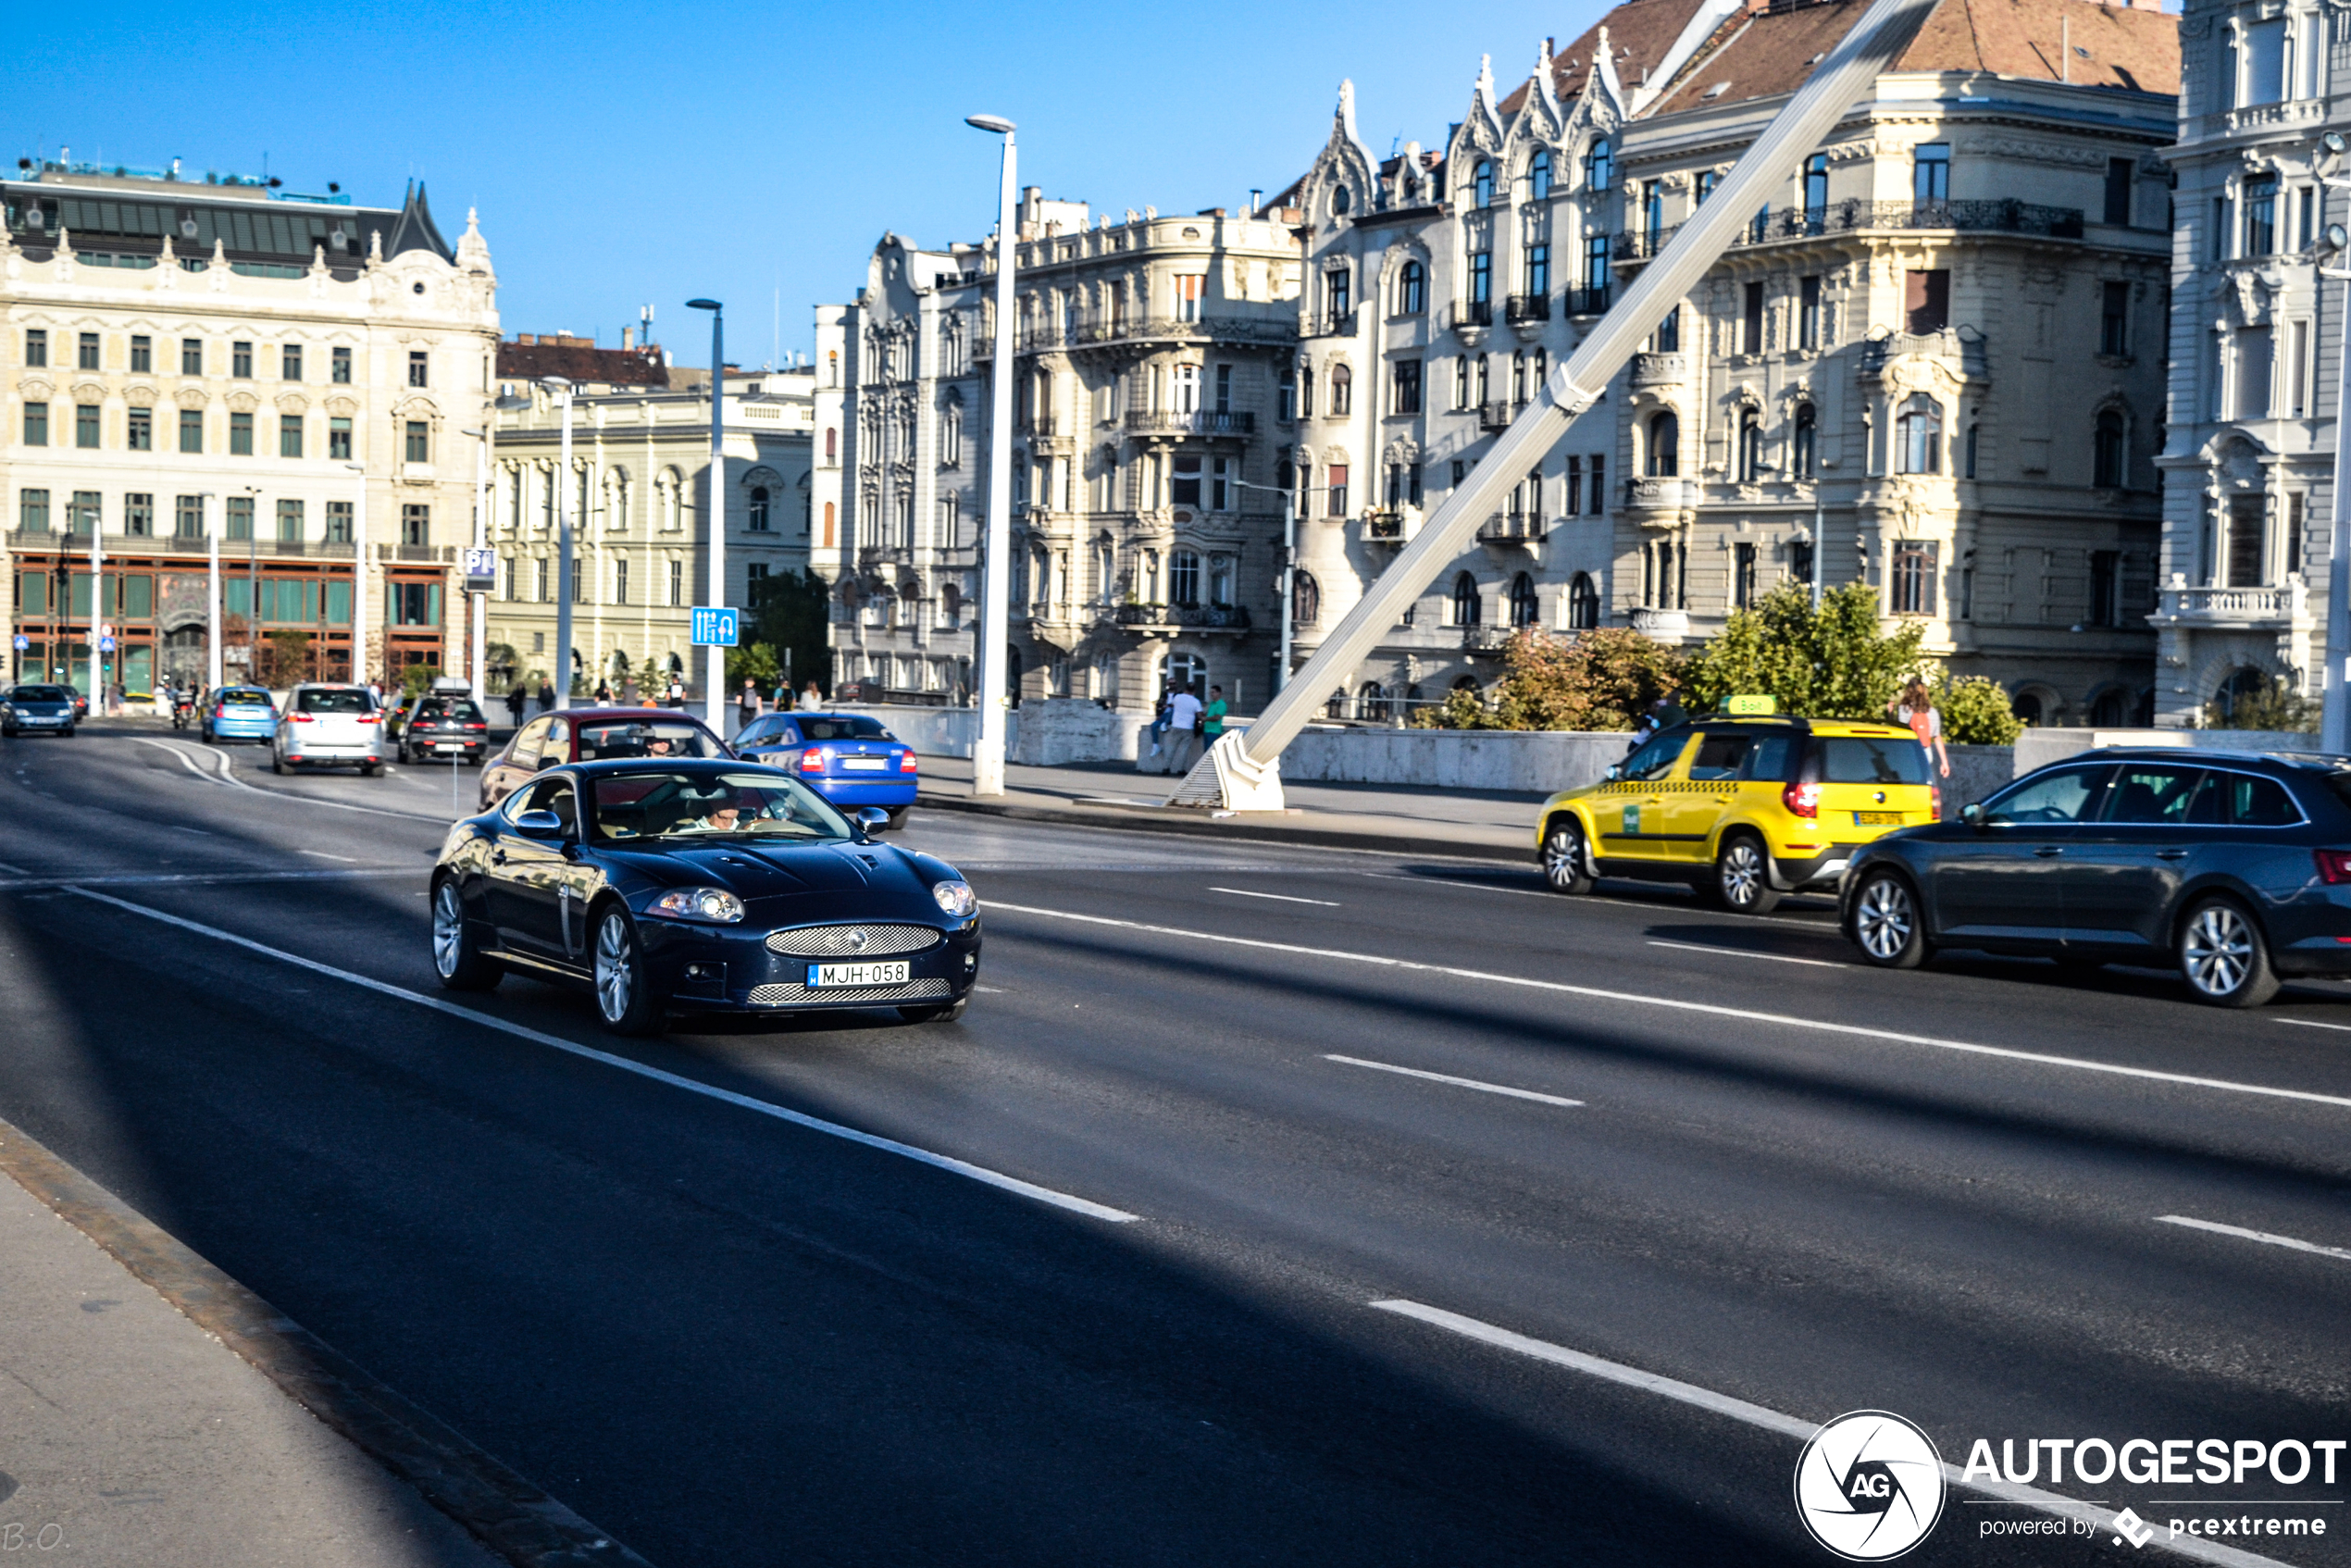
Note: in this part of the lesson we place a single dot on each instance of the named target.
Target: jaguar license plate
(822, 974)
(1878, 818)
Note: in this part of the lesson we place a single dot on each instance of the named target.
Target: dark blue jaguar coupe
(694, 886)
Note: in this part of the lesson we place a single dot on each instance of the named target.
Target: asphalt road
(1732, 1159)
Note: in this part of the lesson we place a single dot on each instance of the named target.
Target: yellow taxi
(1745, 809)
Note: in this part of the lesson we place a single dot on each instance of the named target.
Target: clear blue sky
(621, 155)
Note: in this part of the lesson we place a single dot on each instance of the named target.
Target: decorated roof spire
(1486, 80)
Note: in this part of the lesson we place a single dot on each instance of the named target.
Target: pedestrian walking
(603, 693)
(1212, 720)
(747, 705)
(516, 700)
(546, 695)
(1915, 708)
(1183, 712)
(810, 700)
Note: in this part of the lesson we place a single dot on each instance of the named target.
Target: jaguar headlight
(955, 896)
(715, 904)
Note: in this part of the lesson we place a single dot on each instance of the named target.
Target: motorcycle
(183, 712)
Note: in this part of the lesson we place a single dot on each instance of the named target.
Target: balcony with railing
(1208, 617)
(1497, 414)
(1962, 343)
(2282, 606)
(1853, 217)
(1589, 301)
(1512, 528)
(1393, 525)
(1527, 307)
(1667, 494)
(1469, 316)
(1487, 638)
(1333, 324)
(1200, 422)
(1659, 370)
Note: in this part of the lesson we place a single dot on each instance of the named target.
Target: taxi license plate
(822, 974)
(1878, 818)
(864, 764)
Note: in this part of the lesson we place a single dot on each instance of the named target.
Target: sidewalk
(1485, 825)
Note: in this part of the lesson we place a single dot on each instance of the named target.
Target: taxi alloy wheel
(2224, 958)
(1886, 924)
(623, 1000)
(1566, 866)
(1743, 877)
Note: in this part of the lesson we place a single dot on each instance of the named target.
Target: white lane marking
(1449, 1078)
(183, 827)
(692, 1086)
(145, 878)
(2100, 1520)
(225, 777)
(1709, 1009)
(2266, 1238)
(1473, 887)
(321, 855)
(1279, 897)
(14, 870)
(1743, 952)
(1565, 902)
(2312, 1024)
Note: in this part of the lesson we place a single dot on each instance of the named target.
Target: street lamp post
(360, 581)
(211, 591)
(2334, 712)
(715, 664)
(995, 582)
(561, 389)
(97, 615)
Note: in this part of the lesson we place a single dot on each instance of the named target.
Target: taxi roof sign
(1749, 705)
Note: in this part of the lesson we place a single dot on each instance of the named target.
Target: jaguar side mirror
(540, 824)
(545, 763)
(1972, 813)
(872, 820)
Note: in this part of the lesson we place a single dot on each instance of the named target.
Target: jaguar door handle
(497, 857)
(2048, 851)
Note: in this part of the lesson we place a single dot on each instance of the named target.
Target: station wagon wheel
(2223, 957)
(1566, 865)
(624, 1000)
(1742, 876)
(1885, 922)
(457, 958)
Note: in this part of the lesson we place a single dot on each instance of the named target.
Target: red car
(594, 735)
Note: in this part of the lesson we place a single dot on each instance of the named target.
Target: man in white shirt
(1182, 732)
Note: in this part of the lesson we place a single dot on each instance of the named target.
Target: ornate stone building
(1935, 363)
(2254, 355)
(190, 357)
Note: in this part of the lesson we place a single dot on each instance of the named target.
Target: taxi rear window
(1871, 759)
(243, 697)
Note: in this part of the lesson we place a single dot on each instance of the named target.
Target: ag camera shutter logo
(1868, 1486)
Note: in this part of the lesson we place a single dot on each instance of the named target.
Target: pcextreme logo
(1868, 1486)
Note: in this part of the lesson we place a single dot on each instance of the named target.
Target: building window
(1305, 598)
(36, 347)
(1750, 446)
(289, 435)
(415, 604)
(620, 578)
(1599, 485)
(1467, 607)
(86, 352)
(2294, 525)
(1538, 176)
(1968, 471)
(417, 362)
(1799, 560)
(1538, 270)
(759, 509)
(2119, 174)
(1804, 447)
(1742, 575)
(1406, 382)
(1220, 485)
(1583, 603)
(416, 525)
(1575, 487)
(1335, 475)
(240, 361)
(1599, 171)
(139, 429)
(2109, 452)
(339, 521)
(85, 425)
(1816, 191)
(1411, 289)
(1917, 437)
(339, 438)
(2114, 319)
(1595, 274)
(143, 354)
(1808, 313)
(1751, 320)
(1481, 182)
(187, 517)
(419, 447)
(237, 514)
(289, 362)
(1931, 174)
(1190, 286)
(241, 435)
(2106, 588)
(1183, 578)
(88, 512)
(338, 367)
(1525, 609)
(1665, 445)
(1653, 214)
(1911, 577)
(139, 514)
(192, 429)
(1342, 390)
(192, 356)
(1927, 301)
(2261, 215)
(289, 522)
(1286, 397)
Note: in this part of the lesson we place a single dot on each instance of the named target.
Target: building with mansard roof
(187, 358)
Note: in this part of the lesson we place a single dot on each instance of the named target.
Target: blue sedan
(849, 758)
(241, 712)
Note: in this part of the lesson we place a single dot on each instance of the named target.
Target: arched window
(1342, 390)
(1750, 446)
(1600, 167)
(1525, 609)
(1467, 606)
(832, 373)
(1305, 598)
(1183, 578)
(1804, 450)
(2027, 708)
(950, 437)
(832, 442)
(1338, 199)
(950, 606)
(1816, 187)
(1665, 445)
(1484, 182)
(1583, 603)
(1518, 376)
(2245, 685)
(1539, 175)
(759, 509)
(1373, 704)
(1411, 289)
(828, 525)
(1918, 437)
(2108, 451)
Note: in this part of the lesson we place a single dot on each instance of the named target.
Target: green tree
(756, 663)
(1833, 662)
(1975, 710)
(2277, 707)
(1601, 679)
(790, 614)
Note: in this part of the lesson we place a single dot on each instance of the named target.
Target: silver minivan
(324, 726)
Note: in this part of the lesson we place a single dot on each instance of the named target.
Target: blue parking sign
(714, 627)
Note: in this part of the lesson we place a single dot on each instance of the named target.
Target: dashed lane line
(166, 878)
(1449, 1078)
(692, 1086)
(1277, 898)
(2267, 1238)
(1745, 952)
(1708, 1009)
(227, 777)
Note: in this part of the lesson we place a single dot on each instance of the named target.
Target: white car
(328, 726)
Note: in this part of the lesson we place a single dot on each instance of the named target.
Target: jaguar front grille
(836, 996)
(851, 942)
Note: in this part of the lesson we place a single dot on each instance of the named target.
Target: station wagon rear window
(334, 702)
(643, 738)
(1871, 759)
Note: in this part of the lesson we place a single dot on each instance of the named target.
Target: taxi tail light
(907, 764)
(1802, 800)
(812, 762)
(1934, 801)
(2334, 866)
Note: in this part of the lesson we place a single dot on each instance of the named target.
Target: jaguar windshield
(711, 807)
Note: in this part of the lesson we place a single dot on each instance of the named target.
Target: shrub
(2277, 707)
(1975, 710)
(1599, 680)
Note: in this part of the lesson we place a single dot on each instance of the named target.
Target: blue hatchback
(239, 713)
(849, 758)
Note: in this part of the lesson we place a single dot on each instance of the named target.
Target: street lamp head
(510, 401)
(557, 384)
(703, 304)
(996, 123)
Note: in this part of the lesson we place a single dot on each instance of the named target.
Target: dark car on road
(594, 735)
(716, 886)
(2233, 868)
(852, 758)
(36, 708)
(443, 728)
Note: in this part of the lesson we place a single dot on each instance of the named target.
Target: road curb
(1204, 826)
(506, 1512)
